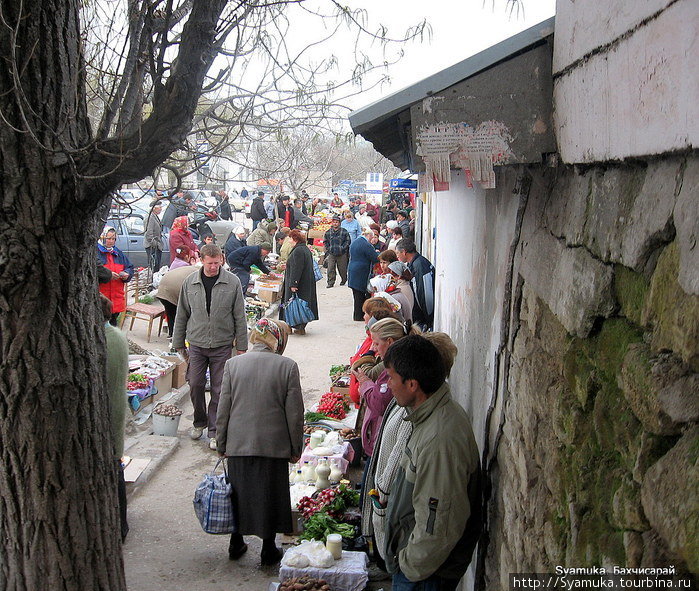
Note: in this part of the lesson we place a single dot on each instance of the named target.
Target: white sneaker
(196, 432)
(212, 444)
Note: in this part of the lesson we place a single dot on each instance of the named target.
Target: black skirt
(260, 494)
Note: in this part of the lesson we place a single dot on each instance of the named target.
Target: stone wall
(597, 463)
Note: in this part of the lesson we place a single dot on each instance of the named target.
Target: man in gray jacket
(153, 237)
(433, 518)
(211, 316)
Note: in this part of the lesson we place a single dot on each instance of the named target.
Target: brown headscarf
(271, 333)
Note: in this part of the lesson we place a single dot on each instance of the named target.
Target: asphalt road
(166, 550)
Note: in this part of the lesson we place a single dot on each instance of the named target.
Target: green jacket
(117, 370)
(224, 325)
(433, 518)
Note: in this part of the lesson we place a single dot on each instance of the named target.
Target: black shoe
(329, 286)
(343, 282)
(270, 557)
(236, 552)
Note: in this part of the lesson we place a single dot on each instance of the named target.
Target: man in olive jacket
(211, 316)
(433, 518)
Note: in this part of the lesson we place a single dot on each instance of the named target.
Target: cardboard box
(179, 372)
(319, 234)
(341, 389)
(268, 296)
(164, 382)
(268, 291)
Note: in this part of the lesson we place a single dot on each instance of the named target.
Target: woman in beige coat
(259, 428)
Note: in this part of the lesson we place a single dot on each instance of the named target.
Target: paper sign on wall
(475, 150)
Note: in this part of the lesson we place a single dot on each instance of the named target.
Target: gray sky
(460, 29)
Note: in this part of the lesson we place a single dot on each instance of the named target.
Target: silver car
(130, 227)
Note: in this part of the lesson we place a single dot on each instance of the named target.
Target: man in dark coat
(257, 209)
(422, 283)
(403, 222)
(243, 258)
(337, 244)
(299, 277)
(226, 213)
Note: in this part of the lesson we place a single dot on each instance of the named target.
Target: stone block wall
(598, 460)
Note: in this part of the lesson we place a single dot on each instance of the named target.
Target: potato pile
(167, 410)
(347, 433)
(304, 584)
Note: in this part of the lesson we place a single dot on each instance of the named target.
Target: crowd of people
(420, 485)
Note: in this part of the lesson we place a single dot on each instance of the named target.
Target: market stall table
(347, 574)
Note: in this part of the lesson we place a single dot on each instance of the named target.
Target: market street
(166, 547)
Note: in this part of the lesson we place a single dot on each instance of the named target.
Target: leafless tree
(94, 94)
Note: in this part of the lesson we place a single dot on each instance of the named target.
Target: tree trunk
(59, 525)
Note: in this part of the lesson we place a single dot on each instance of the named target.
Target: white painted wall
(474, 229)
(636, 97)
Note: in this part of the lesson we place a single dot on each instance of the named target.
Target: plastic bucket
(166, 426)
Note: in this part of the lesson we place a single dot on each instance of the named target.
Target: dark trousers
(244, 277)
(171, 314)
(153, 255)
(121, 494)
(337, 261)
(359, 299)
(113, 318)
(200, 360)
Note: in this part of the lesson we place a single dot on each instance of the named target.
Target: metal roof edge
(365, 117)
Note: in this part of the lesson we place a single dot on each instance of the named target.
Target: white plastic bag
(308, 553)
(295, 558)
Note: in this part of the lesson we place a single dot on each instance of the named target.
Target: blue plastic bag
(213, 504)
(317, 273)
(297, 311)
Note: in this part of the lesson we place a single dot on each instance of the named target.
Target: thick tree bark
(59, 527)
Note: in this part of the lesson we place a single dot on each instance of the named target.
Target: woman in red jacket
(181, 236)
(122, 271)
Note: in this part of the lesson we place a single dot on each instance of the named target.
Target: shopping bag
(297, 311)
(213, 504)
(317, 273)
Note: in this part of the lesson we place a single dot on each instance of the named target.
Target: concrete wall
(626, 78)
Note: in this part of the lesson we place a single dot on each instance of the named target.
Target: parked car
(130, 227)
(237, 202)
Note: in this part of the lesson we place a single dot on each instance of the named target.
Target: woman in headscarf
(121, 269)
(259, 428)
(376, 393)
(181, 236)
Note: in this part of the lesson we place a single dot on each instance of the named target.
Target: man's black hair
(415, 358)
(406, 245)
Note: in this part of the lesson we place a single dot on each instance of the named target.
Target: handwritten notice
(475, 150)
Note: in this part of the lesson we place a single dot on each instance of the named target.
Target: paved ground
(166, 548)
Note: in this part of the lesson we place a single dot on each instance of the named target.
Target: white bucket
(166, 426)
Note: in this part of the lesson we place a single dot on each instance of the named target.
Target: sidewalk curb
(156, 448)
